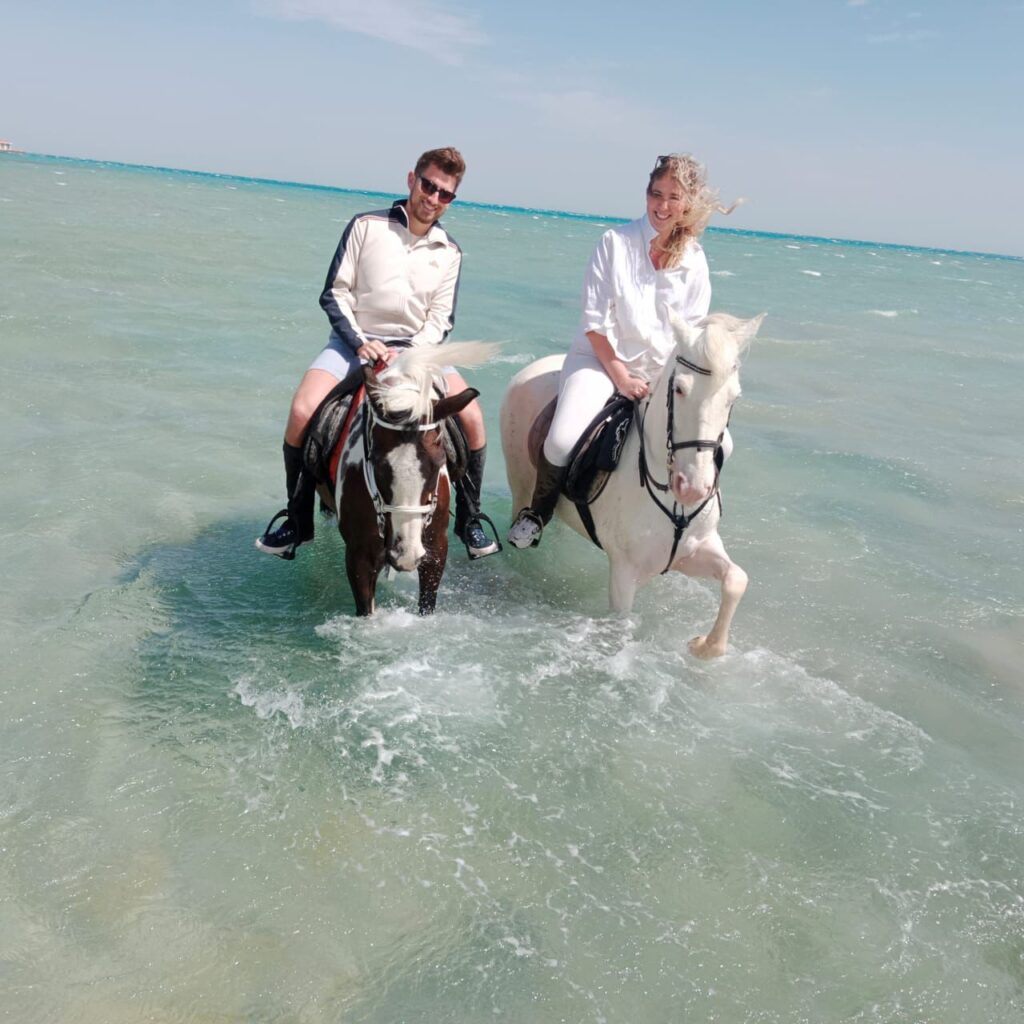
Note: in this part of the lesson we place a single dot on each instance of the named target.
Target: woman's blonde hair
(701, 202)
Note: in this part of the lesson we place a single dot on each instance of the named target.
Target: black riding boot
(529, 524)
(297, 527)
(301, 493)
(548, 488)
(467, 508)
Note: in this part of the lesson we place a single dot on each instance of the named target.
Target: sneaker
(526, 530)
(478, 544)
(281, 542)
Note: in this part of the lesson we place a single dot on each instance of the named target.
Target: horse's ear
(748, 330)
(685, 331)
(445, 407)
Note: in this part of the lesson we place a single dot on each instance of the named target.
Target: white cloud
(418, 24)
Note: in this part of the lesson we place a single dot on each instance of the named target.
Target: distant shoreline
(539, 211)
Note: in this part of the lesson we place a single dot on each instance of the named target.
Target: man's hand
(375, 352)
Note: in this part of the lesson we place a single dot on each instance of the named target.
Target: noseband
(679, 519)
(371, 420)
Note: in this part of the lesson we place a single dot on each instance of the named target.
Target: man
(394, 278)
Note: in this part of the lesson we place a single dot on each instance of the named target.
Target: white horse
(660, 508)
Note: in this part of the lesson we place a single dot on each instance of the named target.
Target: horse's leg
(710, 561)
(622, 584)
(431, 567)
(362, 578)
(430, 572)
(357, 524)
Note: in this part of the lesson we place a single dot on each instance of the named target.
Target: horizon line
(314, 186)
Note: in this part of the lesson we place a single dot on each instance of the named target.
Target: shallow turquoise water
(225, 799)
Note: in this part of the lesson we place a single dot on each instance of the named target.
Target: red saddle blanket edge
(357, 400)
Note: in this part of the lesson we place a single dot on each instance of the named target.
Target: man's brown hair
(447, 159)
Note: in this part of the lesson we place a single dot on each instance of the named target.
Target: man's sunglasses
(429, 188)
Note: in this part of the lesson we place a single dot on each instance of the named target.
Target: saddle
(594, 456)
(332, 420)
(597, 452)
(324, 433)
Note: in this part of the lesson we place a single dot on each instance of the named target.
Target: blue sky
(871, 119)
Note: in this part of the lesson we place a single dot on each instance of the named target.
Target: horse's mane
(407, 391)
(723, 339)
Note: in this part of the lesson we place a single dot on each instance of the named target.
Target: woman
(641, 274)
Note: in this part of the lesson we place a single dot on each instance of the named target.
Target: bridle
(382, 508)
(676, 515)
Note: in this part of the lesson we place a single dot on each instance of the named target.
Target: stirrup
(492, 547)
(288, 554)
(530, 516)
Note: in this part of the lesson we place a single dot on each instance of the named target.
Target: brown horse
(392, 490)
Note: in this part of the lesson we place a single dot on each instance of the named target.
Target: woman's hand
(626, 384)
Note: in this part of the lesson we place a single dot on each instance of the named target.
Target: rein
(676, 515)
(371, 420)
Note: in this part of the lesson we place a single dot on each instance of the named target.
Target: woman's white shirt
(628, 301)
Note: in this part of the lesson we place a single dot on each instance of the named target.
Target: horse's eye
(680, 390)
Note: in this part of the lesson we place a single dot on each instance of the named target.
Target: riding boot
(297, 527)
(529, 524)
(467, 508)
(548, 488)
(301, 493)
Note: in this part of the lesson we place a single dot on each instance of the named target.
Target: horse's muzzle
(690, 492)
(404, 557)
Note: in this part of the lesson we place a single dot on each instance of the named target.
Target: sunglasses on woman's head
(429, 188)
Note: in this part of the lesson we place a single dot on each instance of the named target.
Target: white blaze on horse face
(702, 405)
(408, 483)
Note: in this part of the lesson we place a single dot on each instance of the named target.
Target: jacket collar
(435, 233)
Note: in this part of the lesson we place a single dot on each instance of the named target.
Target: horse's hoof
(700, 648)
